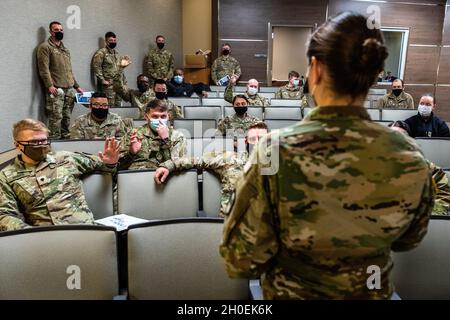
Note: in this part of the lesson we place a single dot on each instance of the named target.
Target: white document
(84, 98)
(120, 221)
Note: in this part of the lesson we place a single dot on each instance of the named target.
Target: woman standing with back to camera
(347, 190)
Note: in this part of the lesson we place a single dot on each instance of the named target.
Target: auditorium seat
(384, 123)
(274, 124)
(252, 111)
(211, 194)
(269, 89)
(197, 146)
(98, 191)
(268, 95)
(89, 146)
(367, 104)
(424, 272)
(78, 110)
(179, 260)
(215, 102)
(284, 103)
(139, 122)
(185, 101)
(397, 114)
(140, 196)
(47, 262)
(436, 150)
(126, 112)
(196, 128)
(7, 156)
(374, 114)
(203, 112)
(290, 113)
(306, 110)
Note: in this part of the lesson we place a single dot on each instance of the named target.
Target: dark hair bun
(373, 54)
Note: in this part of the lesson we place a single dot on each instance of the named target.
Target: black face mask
(160, 95)
(397, 92)
(100, 113)
(160, 45)
(142, 87)
(225, 52)
(112, 45)
(59, 35)
(240, 110)
(37, 153)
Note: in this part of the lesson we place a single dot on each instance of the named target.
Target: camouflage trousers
(58, 109)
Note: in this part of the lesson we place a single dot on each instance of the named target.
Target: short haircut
(52, 23)
(293, 73)
(258, 125)
(142, 76)
(28, 124)
(226, 44)
(99, 95)
(158, 81)
(401, 124)
(401, 80)
(429, 95)
(239, 96)
(156, 105)
(181, 69)
(160, 36)
(110, 34)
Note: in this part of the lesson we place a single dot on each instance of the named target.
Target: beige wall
(196, 24)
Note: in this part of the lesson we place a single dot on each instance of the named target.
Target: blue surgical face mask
(296, 82)
(154, 123)
(252, 91)
(178, 79)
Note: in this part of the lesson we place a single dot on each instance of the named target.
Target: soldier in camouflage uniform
(42, 188)
(153, 143)
(160, 62)
(138, 98)
(397, 99)
(292, 90)
(225, 65)
(106, 65)
(226, 165)
(99, 123)
(55, 70)
(345, 193)
(253, 98)
(238, 123)
(160, 89)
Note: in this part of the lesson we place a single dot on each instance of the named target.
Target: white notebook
(120, 221)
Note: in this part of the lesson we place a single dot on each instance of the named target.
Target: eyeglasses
(34, 142)
(97, 105)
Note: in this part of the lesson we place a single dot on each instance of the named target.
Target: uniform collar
(107, 121)
(20, 164)
(401, 96)
(337, 113)
(61, 46)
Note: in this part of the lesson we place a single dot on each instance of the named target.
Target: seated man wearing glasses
(42, 188)
(99, 123)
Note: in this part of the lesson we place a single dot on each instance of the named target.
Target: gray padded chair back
(40, 263)
(202, 112)
(424, 272)
(290, 113)
(306, 110)
(211, 194)
(179, 259)
(396, 114)
(374, 114)
(285, 103)
(139, 122)
(215, 102)
(88, 146)
(269, 89)
(252, 111)
(7, 156)
(78, 110)
(139, 196)
(197, 146)
(98, 191)
(126, 112)
(196, 128)
(185, 101)
(274, 124)
(436, 150)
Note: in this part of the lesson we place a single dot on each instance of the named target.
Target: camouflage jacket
(226, 165)
(390, 101)
(255, 100)
(287, 92)
(55, 67)
(85, 127)
(48, 194)
(442, 202)
(154, 150)
(234, 123)
(174, 110)
(343, 192)
(223, 66)
(160, 64)
(135, 97)
(106, 64)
